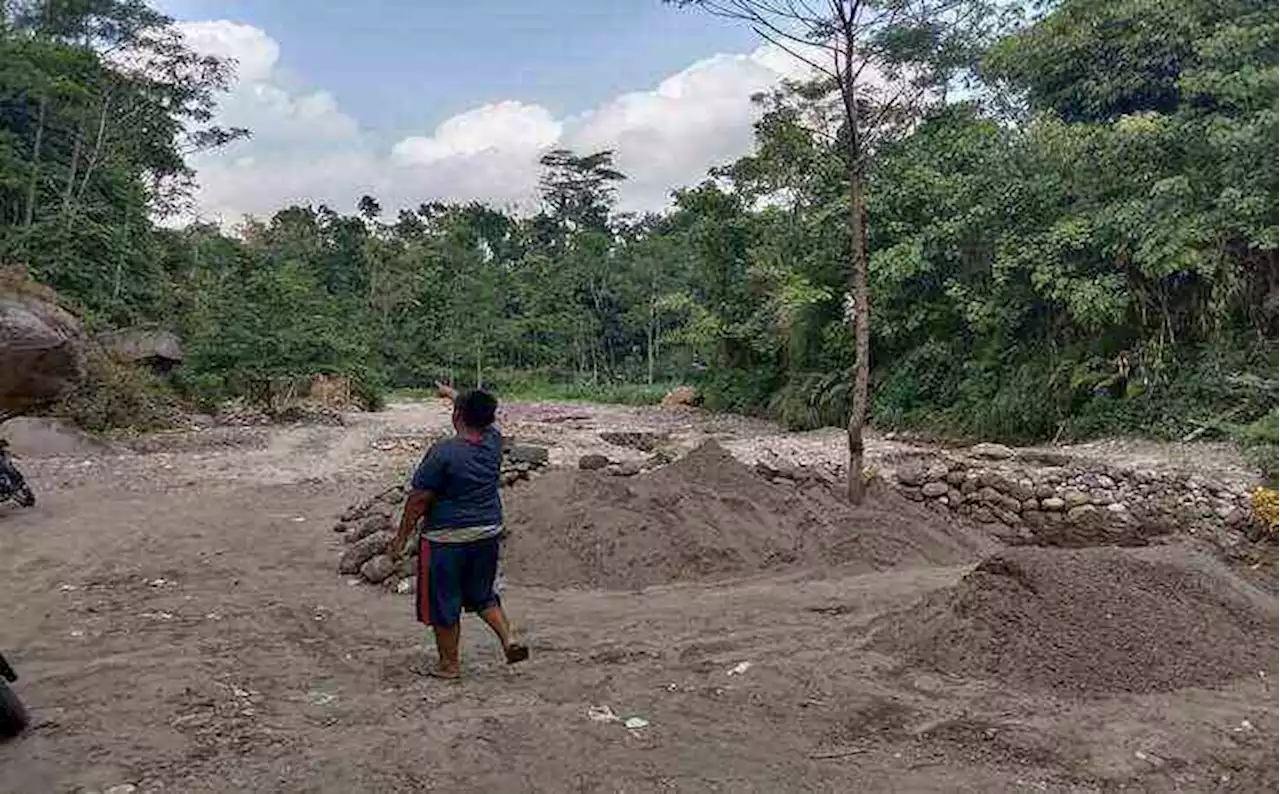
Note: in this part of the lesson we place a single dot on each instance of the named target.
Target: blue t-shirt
(464, 476)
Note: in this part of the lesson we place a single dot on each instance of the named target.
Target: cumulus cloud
(305, 149)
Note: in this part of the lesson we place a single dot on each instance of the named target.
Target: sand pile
(707, 515)
(1090, 621)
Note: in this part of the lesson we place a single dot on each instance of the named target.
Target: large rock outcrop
(40, 346)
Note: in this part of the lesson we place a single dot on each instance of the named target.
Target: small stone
(592, 462)
(1101, 498)
(1081, 514)
(911, 475)
(933, 490)
(123, 788)
(955, 478)
(1106, 482)
(954, 496)
(628, 468)
(1044, 491)
(1074, 498)
(989, 496)
(992, 451)
(1053, 504)
(936, 472)
(969, 486)
(1031, 504)
(1004, 516)
(913, 494)
(1118, 507)
(407, 586)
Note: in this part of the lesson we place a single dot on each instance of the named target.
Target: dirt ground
(179, 626)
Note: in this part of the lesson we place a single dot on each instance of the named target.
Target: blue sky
(413, 102)
(401, 66)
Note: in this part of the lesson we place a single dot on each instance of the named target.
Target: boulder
(530, 454)
(912, 474)
(367, 527)
(593, 462)
(362, 551)
(41, 346)
(933, 490)
(1073, 498)
(377, 568)
(1053, 504)
(992, 451)
(156, 348)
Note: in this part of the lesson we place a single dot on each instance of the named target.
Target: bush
(116, 395)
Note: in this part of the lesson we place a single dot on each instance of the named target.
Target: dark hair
(477, 409)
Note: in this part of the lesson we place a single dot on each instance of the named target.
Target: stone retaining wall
(1043, 499)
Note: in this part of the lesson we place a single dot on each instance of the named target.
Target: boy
(456, 489)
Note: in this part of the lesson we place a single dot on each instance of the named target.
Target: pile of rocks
(368, 527)
(1047, 500)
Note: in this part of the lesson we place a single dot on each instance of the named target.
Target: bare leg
(447, 647)
(497, 620)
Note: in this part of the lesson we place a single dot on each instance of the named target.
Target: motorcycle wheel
(24, 496)
(13, 715)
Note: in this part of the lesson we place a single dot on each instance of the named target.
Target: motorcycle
(13, 715)
(12, 484)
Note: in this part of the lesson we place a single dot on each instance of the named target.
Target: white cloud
(305, 149)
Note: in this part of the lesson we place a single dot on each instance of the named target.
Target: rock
(1004, 516)
(933, 490)
(122, 788)
(362, 551)
(992, 451)
(1074, 498)
(982, 515)
(592, 462)
(407, 586)
(969, 486)
(627, 468)
(1102, 498)
(1081, 514)
(408, 565)
(1045, 491)
(954, 496)
(988, 495)
(530, 454)
(1118, 507)
(512, 477)
(370, 525)
(914, 494)
(1009, 504)
(1034, 518)
(1104, 481)
(377, 568)
(643, 441)
(341, 526)
(680, 397)
(1031, 504)
(156, 348)
(1054, 504)
(911, 475)
(955, 478)
(936, 472)
(1020, 491)
(942, 500)
(41, 345)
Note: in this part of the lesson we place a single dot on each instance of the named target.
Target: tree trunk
(652, 336)
(858, 270)
(29, 213)
(861, 332)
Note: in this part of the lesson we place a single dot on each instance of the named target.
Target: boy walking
(456, 489)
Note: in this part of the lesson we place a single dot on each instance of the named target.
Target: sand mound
(1090, 621)
(707, 515)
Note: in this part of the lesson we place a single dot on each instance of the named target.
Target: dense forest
(1082, 239)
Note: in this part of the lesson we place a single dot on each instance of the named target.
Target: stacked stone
(368, 527)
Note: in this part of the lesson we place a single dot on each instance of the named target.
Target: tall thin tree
(877, 65)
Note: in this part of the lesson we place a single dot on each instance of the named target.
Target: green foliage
(115, 395)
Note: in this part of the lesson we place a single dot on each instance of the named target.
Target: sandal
(516, 652)
(436, 672)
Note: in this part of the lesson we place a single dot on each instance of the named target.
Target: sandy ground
(179, 627)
